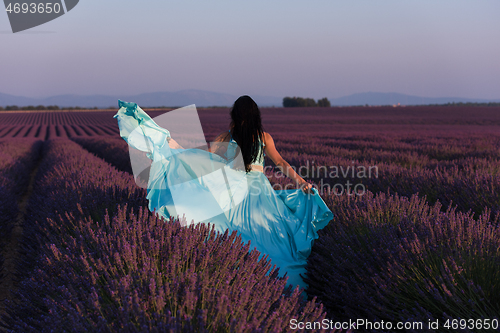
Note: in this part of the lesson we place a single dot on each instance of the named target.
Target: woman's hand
(306, 187)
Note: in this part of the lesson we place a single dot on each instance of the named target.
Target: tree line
(290, 102)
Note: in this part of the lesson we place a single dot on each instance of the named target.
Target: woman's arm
(282, 164)
(217, 146)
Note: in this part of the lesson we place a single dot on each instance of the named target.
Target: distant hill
(375, 98)
(180, 98)
(206, 98)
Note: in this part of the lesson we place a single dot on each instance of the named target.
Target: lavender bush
(138, 273)
(451, 170)
(113, 150)
(393, 258)
(8, 210)
(17, 158)
(70, 179)
(101, 267)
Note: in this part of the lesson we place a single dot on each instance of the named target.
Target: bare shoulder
(268, 139)
(271, 150)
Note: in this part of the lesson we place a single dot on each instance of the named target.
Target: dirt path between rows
(11, 251)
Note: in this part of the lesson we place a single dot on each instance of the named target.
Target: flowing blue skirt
(205, 188)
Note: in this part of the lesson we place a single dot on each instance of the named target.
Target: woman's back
(232, 150)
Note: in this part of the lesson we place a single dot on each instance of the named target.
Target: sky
(313, 48)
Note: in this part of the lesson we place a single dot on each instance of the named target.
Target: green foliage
(290, 102)
(324, 102)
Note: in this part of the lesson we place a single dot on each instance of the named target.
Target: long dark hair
(246, 129)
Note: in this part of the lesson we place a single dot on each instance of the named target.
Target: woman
(226, 187)
(246, 131)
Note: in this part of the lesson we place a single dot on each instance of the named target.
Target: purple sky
(275, 48)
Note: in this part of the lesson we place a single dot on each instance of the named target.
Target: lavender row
(471, 183)
(420, 151)
(469, 153)
(469, 189)
(17, 158)
(451, 168)
(463, 186)
(102, 267)
(58, 118)
(70, 179)
(113, 150)
(432, 116)
(137, 273)
(399, 259)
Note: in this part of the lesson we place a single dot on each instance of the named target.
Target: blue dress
(207, 188)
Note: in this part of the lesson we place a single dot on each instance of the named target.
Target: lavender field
(415, 193)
